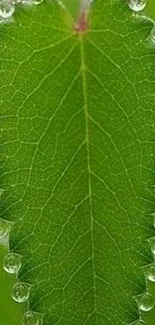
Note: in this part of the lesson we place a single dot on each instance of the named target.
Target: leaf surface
(77, 115)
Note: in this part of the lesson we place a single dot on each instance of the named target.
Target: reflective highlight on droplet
(145, 302)
(12, 263)
(4, 229)
(6, 9)
(30, 318)
(20, 292)
(137, 5)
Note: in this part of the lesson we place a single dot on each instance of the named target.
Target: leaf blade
(60, 97)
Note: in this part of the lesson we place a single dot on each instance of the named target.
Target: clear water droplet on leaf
(20, 292)
(151, 273)
(12, 263)
(6, 9)
(145, 302)
(4, 229)
(137, 5)
(30, 318)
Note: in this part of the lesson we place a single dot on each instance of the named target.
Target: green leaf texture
(78, 144)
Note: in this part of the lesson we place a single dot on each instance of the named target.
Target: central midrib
(83, 71)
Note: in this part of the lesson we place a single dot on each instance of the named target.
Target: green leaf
(77, 116)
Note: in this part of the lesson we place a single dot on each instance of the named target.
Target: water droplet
(12, 263)
(137, 5)
(30, 318)
(151, 273)
(145, 302)
(6, 9)
(20, 292)
(152, 243)
(3, 228)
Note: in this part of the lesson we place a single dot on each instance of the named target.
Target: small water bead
(20, 292)
(12, 263)
(151, 273)
(6, 9)
(137, 5)
(4, 229)
(145, 302)
(30, 318)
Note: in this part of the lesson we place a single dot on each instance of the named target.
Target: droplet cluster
(7, 7)
(146, 302)
(12, 264)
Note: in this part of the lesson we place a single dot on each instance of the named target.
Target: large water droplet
(6, 9)
(20, 292)
(12, 263)
(3, 228)
(145, 302)
(151, 273)
(30, 318)
(137, 5)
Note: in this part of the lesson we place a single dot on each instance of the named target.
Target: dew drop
(137, 5)
(145, 302)
(151, 273)
(20, 292)
(4, 229)
(6, 9)
(12, 263)
(30, 318)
